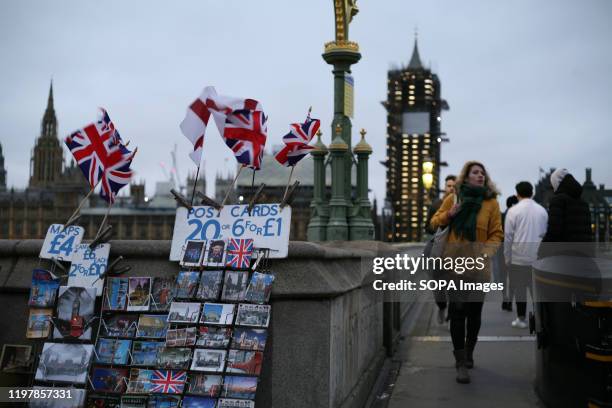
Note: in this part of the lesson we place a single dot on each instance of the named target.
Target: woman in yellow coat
(475, 231)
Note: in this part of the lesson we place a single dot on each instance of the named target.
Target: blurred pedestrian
(524, 228)
(440, 294)
(476, 230)
(501, 262)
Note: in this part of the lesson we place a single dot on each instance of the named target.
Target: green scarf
(464, 222)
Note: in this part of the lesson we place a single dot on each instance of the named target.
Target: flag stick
(288, 182)
(232, 186)
(82, 202)
(195, 183)
(110, 204)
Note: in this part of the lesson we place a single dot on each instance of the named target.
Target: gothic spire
(49, 121)
(415, 60)
(50, 100)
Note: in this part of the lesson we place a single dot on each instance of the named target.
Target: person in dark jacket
(569, 217)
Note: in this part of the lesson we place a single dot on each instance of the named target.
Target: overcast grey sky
(528, 82)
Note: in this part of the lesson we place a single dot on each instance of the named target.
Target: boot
(463, 377)
(469, 353)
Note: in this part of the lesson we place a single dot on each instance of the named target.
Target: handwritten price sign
(60, 244)
(267, 225)
(88, 265)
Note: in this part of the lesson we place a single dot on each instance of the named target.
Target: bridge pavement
(504, 364)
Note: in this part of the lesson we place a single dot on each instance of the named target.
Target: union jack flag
(291, 154)
(168, 381)
(101, 156)
(238, 254)
(302, 132)
(245, 133)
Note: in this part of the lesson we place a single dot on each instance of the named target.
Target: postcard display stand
(62, 319)
(194, 340)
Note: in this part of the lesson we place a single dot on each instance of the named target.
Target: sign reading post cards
(60, 244)
(87, 266)
(267, 225)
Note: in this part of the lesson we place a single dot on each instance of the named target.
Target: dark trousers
(520, 282)
(465, 313)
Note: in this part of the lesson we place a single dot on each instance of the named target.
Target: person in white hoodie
(524, 228)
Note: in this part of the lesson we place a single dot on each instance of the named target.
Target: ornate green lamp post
(319, 214)
(341, 54)
(337, 227)
(360, 224)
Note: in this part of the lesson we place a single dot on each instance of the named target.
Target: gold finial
(319, 146)
(363, 146)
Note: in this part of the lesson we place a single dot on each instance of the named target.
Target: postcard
(259, 288)
(119, 325)
(39, 323)
(116, 294)
(253, 315)
(168, 381)
(139, 381)
(112, 351)
(163, 293)
(181, 337)
(210, 285)
(214, 337)
(173, 357)
(192, 255)
(103, 401)
(199, 402)
(44, 288)
(217, 313)
(208, 360)
(235, 403)
(249, 339)
(139, 290)
(153, 326)
(75, 309)
(239, 387)
(133, 401)
(235, 285)
(107, 379)
(76, 400)
(64, 362)
(164, 401)
(216, 253)
(15, 358)
(184, 312)
(238, 253)
(244, 362)
(204, 384)
(186, 284)
(144, 353)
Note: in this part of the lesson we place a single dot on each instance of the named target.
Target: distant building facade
(414, 105)
(54, 191)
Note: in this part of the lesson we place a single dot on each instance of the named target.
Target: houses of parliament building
(55, 189)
